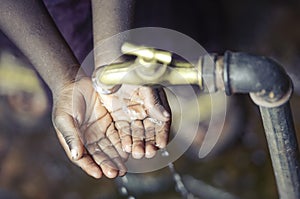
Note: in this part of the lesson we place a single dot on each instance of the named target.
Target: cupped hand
(142, 117)
(86, 131)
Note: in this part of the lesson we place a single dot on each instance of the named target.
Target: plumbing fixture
(155, 70)
(267, 83)
(265, 80)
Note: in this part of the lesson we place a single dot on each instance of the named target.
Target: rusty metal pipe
(283, 147)
(270, 88)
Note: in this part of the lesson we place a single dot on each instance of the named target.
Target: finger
(138, 136)
(65, 126)
(162, 134)
(114, 138)
(149, 138)
(88, 165)
(85, 162)
(125, 134)
(120, 164)
(107, 166)
(164, 100)
(103, 150)
(153, 105)
(107, 147)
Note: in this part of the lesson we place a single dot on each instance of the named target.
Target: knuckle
(69, 139)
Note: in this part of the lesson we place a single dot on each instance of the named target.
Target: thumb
(153, 104)
(68, 134)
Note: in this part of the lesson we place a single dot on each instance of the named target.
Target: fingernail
(111, 174)
(74, 154)
(149, 154)
(161, 145)
(96, 175)
(128, 148)
(137, 155)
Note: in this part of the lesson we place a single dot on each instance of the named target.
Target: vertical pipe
(283, 147)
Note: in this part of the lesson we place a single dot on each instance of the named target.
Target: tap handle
(146, 53)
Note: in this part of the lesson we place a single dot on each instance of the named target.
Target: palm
(83, 125)
(140, 117)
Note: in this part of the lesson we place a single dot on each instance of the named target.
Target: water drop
(124, 179)
(124, 191)
(157, 122)
(177, 177)
(179, 185)
(133, 115)
(165, 153)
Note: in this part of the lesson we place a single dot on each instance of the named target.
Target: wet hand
(86, 131)
(142, 117)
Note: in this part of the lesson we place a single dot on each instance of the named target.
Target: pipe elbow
(262, 77)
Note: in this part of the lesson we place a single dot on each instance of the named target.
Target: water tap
(150, 67)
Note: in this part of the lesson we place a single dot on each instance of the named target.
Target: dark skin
(144, 126)
(84, 126)
(145, 106)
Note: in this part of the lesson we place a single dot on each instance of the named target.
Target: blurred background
(33, 165)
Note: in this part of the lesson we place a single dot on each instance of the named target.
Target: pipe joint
(265, 80)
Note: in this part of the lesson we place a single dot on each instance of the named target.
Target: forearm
(110, 18)
(28, 24)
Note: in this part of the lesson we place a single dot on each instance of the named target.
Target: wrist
(65, 80)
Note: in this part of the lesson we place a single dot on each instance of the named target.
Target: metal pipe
(262, 77)
(283, 147)
(265, 80)
(270, 88)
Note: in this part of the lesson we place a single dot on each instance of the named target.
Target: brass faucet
(151, 67)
